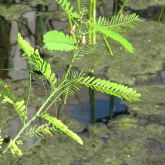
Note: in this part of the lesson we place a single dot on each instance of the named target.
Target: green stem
(94, 21)
(32, 119)
(29, 92)
(161, 13)
(111, 106)
(92, 105)
(58, 111)
(71, 25)
(71, 64)
(90, 23)
(53, 102)
(61, 106)
(49, 99)
(66, 75)
(108, 45)
(122, 7)
(78, 3)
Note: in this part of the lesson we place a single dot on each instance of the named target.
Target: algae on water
(142, 4)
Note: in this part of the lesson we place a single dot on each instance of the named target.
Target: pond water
(159, 78)
(82, 111)
(136, 134)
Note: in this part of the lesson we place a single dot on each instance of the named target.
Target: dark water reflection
(82, 112)
(159, 78)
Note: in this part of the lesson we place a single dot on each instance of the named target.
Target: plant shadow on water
(159, 78)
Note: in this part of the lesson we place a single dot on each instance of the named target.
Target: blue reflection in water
(81, 111)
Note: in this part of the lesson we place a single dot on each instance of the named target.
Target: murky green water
(135, 139)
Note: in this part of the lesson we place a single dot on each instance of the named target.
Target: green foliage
(103, 86)
(40, 131)
(19, 107)
(65, 4)
(70, 83)
(1, 142)
(15, 150)
(84, 5)
(33, 57)
(119, 21)
(5, 91)
(61, 127)
(8, 97)
(55, 40)
(115, 36)
(111, 88)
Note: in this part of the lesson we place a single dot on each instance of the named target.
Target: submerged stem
(92, 105)
(111, 106)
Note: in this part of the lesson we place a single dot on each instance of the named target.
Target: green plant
(68, 84)
(85, 27)
(107, 27)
